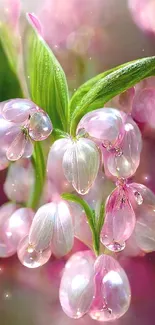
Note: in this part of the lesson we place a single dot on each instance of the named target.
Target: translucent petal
(18, 225)
(63, 231)
(104, 124)
(145, 228)
(54, 165)
(17, 110)
(113, 294)
(19, 181)
(40, 126)
(52, 225)
(34, 21)
(29, 257)
(7, 246)
(4, 162)
(81, 164)
(28, 149)
(41, 230)
(119, 220)
(77, 284)
(126, 164)
(17, 147)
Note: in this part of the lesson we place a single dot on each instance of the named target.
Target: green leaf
(40, 175)
(9, 83)
(45, 78)
(99, 90)
(90, 217)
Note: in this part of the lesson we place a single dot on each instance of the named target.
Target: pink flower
(99, 287)
(28, 123)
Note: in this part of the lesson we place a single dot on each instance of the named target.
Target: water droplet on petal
(113, 294)
(40, 126)
(17, 147)
(17, 110)
(126, 164)
(77, 284)
(81, 164)
(29, 257)
(119, 220)
(138, 197)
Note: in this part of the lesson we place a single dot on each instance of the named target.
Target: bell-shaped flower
(113, 293)
(29, 123)
(124, 161)
(14, 225)
(144, 232)
(81, 163)
(77, 286)
(19, 181)
(52, 226)
(119, 220)
(105, 125)
(55, 171)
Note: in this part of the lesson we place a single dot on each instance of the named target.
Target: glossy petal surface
(40, 126)
(104, 124)
(52, 225)
(18, 225)
(29, 257)
(113, 294)
(81, 164)
(17, 147)
(7, 247)
(55, 171)
(119, 220)
(17, 110)
(125, 164)
(19, 181)
(77, 284)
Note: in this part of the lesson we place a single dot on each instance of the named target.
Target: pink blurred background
(88, 36)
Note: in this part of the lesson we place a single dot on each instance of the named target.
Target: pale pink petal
(7, 246)
(29, 257)
(52, 225)
(125, 163)
(17, 110)
(17, 147)
(19, 181)
(143, 106)
(105, 125)
(113, 293)
(81, 163)
(28, 149)
(35, 22)
(77, 284)
(119, 220)
(54, 165)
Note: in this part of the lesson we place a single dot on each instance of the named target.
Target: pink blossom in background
(143, 13)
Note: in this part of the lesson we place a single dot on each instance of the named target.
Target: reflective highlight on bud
(52, 226)
(29, 257)
(81, 164)
(119, 220)
(113, 294)
(77, 284)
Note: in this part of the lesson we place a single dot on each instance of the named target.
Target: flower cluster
(25, 123)
(105, 138)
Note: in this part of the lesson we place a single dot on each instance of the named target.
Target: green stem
(90, 217)
(40, 173)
